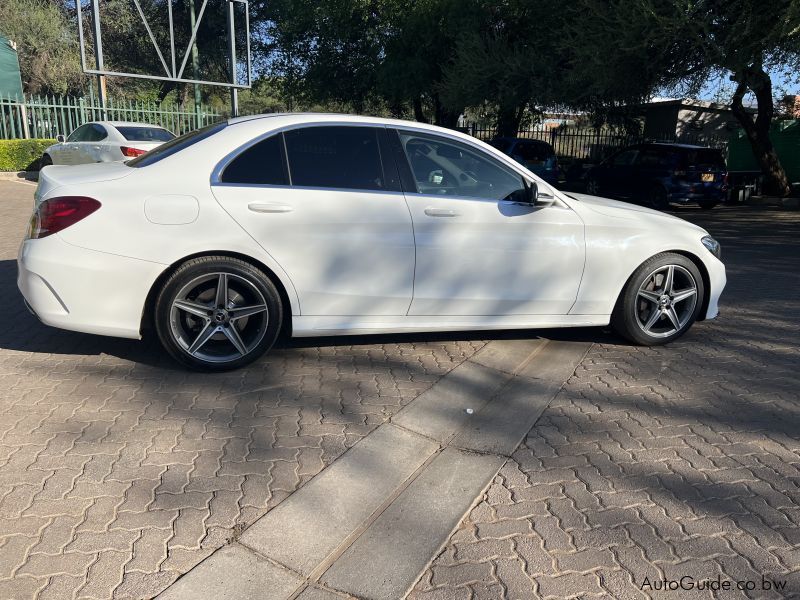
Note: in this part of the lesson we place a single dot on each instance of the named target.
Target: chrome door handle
(270, 208)
(440, 212)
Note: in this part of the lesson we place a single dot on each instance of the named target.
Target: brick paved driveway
(119, 472)
(659, 463)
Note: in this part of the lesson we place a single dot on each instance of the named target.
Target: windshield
(133, 133)
(175, 145)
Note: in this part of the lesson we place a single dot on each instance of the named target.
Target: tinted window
(261, 163)
(624, 158)
(446, 167)
(79, 134)
(145, 134)
(175, 145)
(702, 159)
(501, 144)
(335, 157)
(657, 158)
(533, 151)
(95, 133)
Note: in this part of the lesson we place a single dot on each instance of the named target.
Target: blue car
(535, 155)
(660, 174)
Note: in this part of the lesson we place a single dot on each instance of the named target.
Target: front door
(319, 202)
(482, 250)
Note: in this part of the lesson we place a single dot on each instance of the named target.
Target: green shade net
(10, 80)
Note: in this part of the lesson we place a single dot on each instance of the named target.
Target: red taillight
(56, 214)
(132, 152)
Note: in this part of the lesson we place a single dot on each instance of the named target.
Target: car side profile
(537, 156)
(336, 224)
(105, 141)
(659, 174)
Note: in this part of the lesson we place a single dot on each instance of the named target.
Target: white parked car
(333, 224)
(105, 141)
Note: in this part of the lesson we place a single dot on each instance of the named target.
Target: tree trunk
(419, 115)
(757, 130)
(508, 120)
(444, 116)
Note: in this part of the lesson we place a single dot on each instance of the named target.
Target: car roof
(521, 139)
(124, 124)
(677, 145)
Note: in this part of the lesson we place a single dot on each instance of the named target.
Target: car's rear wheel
(592, 187)
(217, 313)
(660, 302)
(707, 204)
(659, 198)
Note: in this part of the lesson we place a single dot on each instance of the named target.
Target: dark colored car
(535, 155)
(662, 173)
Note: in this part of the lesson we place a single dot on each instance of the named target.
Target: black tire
(707, 204)
(231, 336)
(45, 161)
(592, 187)
(658, 198)
(635, 311)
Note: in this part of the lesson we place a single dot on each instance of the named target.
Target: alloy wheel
(218, 317)
(665, 301)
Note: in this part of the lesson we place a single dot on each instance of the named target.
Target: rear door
(320, 202)
(90, 149)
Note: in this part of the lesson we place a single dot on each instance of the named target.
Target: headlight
(712, 245)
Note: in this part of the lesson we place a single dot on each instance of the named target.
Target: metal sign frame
(172, 72)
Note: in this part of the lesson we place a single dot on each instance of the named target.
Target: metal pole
(195, 65)
(98, 57)
(232, 49)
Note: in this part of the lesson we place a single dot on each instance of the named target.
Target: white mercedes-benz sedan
(335, 224)
(105, 141)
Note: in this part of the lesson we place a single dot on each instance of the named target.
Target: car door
(67, 152)
(320, 202)
(481, 248)
(90, 149)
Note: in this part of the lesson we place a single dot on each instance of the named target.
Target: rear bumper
(83, 290)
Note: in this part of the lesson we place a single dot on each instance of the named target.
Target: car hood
(624, 210)
(55, 176)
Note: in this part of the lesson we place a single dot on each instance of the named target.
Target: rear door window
(339, 157)
(261, 164)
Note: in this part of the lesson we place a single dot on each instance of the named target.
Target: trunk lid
(56, 176)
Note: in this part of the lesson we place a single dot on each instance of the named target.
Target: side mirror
(60, 138)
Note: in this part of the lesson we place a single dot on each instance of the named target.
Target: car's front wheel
(217, 313)
(592, 186)
(707, 204)
(660, 302)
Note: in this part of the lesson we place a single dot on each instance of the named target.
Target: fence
(589, 144)
(46, 116)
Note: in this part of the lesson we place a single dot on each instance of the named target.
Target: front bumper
(717, 280)
(84, 290)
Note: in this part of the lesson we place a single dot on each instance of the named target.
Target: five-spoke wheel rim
(219, 317)
(666, 301)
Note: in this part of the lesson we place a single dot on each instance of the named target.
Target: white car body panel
(345, 260)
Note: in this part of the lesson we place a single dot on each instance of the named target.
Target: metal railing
(47, 116)
(590, 144)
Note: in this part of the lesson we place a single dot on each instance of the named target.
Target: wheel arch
(697, 263)
(149, 304)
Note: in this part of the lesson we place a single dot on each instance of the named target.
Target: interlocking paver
(663, 462)
(119, 471)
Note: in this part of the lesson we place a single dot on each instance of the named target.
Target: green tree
(626, 49)
(48, 48)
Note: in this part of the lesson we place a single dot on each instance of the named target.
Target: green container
(785, 136)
